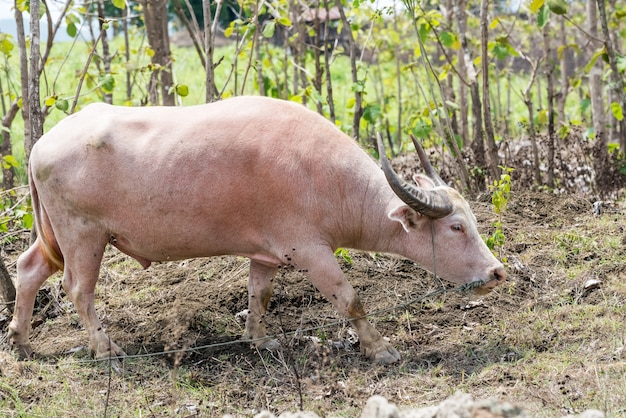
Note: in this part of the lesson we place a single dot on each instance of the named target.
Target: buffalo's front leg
(326, 275)
(260, 286)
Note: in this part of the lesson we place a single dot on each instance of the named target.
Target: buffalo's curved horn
(428, 168)
(434, 204)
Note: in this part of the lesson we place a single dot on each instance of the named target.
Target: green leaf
(182, 90)
(343, 253)
(422, 129)
(423, 30)
(616, 109)
(71, 30)
(621, 63)
(358, 87)
(27, 220)
(447, 39)
(543, 17)
(23, 5)
(285, 21)
(72, 18)
(564, 131)
(6, 44)
(269, 29)
(501, 51)
(558, 7)
(108, 83)
(11, 161)
(120, 4)
(62, 105)
(372, 113)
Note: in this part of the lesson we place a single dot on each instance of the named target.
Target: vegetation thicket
(469, 77)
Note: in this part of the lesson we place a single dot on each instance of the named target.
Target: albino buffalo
(261, 178)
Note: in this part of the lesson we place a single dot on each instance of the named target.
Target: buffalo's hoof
(387, 355)
(269, 344)
(22, 351)
(111, 357)
(111, 352)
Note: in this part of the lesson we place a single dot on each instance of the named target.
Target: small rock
(378, 407)
(597, 208)
(265, 414)
(589, 413)
(301, 414)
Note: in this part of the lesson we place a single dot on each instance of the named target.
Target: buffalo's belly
(155, 244)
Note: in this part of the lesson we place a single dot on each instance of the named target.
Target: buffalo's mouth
(489, 286)
(483, 290)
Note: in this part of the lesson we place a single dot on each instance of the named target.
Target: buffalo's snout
(497, 277)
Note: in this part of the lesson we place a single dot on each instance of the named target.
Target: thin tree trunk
(459, 15)
(358, 93)
(194, 32)
(492, 148)
(209, 47)
(507, 124)
(527, 97)
(35, 113)
(596, 92)
(129, 90)
(161, 80)
(398, 62)
(466, 67)
(259, 59)
(254, 51)
(564, 79)
(327, 56)
(618, 80)
(317, 54)
(106, 56)
(21, 41)
(8, 176)
(6, 147)
(7, 288)
(549, 71)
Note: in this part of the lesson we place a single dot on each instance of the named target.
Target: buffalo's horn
(428, 168)
(434, 204)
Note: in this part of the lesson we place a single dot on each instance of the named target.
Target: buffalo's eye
(457, 227)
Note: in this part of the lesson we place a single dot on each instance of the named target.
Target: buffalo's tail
(46, 239)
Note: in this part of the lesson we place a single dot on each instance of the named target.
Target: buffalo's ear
(405, 215)
(423, 181)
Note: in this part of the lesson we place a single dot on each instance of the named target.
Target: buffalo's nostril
(499, 274)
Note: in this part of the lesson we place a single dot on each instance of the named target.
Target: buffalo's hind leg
(82, 267)
(260, 286)
(33, 268)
